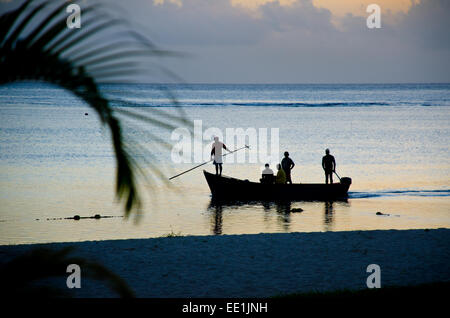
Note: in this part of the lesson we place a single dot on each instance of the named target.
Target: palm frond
(21, 280)
(76, 60)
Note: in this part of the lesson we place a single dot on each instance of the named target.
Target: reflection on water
(282, 209)
(216, 220)
(328, 215)
(284, 214)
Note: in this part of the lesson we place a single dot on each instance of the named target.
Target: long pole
(337, 175)
(204, 163)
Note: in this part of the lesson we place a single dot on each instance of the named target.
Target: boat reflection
(283, 209)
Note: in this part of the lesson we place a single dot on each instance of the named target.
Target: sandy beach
(262, 265)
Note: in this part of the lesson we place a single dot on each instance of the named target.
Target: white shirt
(217, 145)
(267, 171)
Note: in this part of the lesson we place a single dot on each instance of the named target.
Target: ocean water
(391, 139)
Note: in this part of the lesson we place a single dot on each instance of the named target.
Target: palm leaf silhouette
(23, 275)
(104, 49)
(36, 45)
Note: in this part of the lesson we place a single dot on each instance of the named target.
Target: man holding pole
(213, 152)
(216, 151)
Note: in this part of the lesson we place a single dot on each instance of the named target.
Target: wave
(292, 104)
(393, 193)
(134, 103)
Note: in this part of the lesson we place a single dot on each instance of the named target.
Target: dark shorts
(288, 175)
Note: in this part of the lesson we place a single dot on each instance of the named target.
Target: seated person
(281, 175)
(267, 175)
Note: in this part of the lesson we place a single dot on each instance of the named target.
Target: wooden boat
(223, 187)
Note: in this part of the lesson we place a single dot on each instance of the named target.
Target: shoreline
(261, 265)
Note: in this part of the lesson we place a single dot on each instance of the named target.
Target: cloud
(255, 4)
(300, 43)
(427, 24)
(199, 22)
(342, 8)
(161, 2)
(219, 22)
(297, 41)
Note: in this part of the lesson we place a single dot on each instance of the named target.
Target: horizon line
(246, 83)
(275, 83)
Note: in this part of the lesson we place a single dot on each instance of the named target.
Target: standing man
(329, 166)
(216, 151)
(287, 164)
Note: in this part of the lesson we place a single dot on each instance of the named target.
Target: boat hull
(223, 187)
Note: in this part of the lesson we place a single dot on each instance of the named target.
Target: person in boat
(216, 151)
(287, 164)
(329, 166)
(281, 175)
(267, 175)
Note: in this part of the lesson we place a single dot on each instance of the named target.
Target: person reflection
(284, 214)
(216, 217)
(328, 221)
(266, 205)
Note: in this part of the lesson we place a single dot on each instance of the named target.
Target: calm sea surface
(392, 140)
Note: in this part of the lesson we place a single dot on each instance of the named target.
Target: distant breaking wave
(291, 104)
(133, 103)
(393, 193)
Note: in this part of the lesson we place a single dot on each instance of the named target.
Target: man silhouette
(287, 164)
(267, 175)
(216, 151)
(328, 165)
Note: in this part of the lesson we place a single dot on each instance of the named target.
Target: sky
(297, 41)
